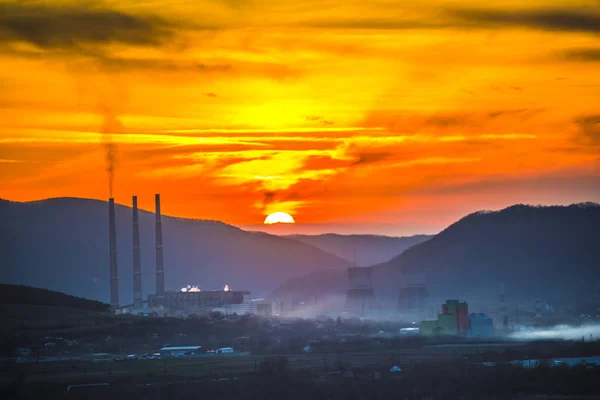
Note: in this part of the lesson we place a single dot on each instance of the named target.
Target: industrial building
(454, 320)
(360, 298)
(205, 298)
(239, 300)
(181, 351)
(481, 325)
(264, 310)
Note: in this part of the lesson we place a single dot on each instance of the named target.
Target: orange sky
(381, 117)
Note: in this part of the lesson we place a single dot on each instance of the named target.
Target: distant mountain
(62, 244)
(20, 294)
(369, 249)
(536, 251)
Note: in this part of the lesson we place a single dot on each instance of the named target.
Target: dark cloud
(547, 183)
(580, 20)
(589, 129)
(159, 64)
(373, 157)
(410, 122)
(589, 55)
(72, 27)
(379, 23)
(577, 20)
(268, 198)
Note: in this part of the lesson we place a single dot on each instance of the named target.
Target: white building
(181, 351)
(224, 350)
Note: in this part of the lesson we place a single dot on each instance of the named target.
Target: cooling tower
(360, 277)
(114, 278)
(160, 273)
(360, 298)
(137, 268)
(412, 298)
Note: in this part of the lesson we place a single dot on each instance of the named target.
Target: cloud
(589, 55)
(580, 20)
(371, 157)
(565, 20)
(497, 185)
(378, 24)
(71, 27)
(469, 122)
(589, 129)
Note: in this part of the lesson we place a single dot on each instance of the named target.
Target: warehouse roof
(180, 348)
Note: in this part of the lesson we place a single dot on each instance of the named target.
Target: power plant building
(264, 310)
(481, 325)
(454, 320)
(205, 298)
(237, 301)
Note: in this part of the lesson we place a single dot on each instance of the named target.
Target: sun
(279, 218)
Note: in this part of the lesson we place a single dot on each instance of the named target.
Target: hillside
(62, 244)
(537, 251)
(369, 249)
(27, 295)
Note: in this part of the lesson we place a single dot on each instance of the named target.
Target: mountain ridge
(362, 249)
(546, 250)
(62, 244)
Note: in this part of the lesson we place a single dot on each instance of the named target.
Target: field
(433, 373)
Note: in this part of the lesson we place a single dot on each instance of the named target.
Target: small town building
(180, 351)
(225, 350)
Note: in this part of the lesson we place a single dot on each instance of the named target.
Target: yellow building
(453, 320)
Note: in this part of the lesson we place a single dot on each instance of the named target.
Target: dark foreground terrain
(427, 371)
(47, 349)
(447, 380)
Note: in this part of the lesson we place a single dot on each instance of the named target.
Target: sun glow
(279, 218)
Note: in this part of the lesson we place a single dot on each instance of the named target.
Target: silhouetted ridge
(20, 294)
(62, 244)
(550, 251)
(365, 249)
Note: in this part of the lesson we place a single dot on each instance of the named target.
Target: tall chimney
(160, 273)
(114, 277)
(137, 269)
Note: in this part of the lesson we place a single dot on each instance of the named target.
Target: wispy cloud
(585, 54)
(70, 27)
(585, 20)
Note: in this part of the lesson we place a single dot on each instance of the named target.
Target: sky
(390, 117)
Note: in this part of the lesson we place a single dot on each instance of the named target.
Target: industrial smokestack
(114, 277)
(137, 269)
(160, 273)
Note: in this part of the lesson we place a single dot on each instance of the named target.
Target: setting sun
(279, 218)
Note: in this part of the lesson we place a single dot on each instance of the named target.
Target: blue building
(481, 325)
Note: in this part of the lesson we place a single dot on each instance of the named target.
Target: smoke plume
(110, 125)
(564, 332)
(190, 289)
